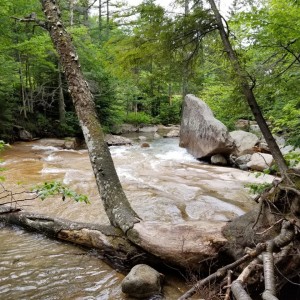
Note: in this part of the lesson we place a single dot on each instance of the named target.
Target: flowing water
(162, 182)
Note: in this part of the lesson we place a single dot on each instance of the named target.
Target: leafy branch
(53, 188)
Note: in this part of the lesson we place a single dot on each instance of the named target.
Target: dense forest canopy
(139, 61)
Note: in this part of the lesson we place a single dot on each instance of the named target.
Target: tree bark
(110, 242)
(61, 99)
(248, 93)
(115, 202)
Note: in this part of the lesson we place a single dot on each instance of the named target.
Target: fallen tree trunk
(184, 246)
(110, 242)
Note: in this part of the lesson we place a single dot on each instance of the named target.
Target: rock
(264, 147)
(116, 140)
(125, 128)
(148, 129)
(243, 160)
(25, 135)
(172, 133)
(244, 141)
(218, 159)
(280, 140)
(242, 124)
(286, 149)
(70, 143)
(156, 136)
(201, 133)
(142, 138)
(254, 128)
(142, 282)
(145, 145)
(260, 161)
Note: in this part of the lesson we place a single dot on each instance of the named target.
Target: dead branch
(274, 245)
(222, 271)
(227, 294)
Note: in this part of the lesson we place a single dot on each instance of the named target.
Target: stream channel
(162, 182)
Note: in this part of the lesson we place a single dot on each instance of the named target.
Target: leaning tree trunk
(115, 202)
(248, 93)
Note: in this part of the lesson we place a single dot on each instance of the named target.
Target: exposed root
(266, 250)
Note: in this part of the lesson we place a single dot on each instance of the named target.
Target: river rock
(156, 136)
(218, 159)
(148, 129)
(260, 161)
(172, 133)
(124, 128)
(142, 138)
(70, 143)
(243, 159)
(145, 145)
(242, 124)
(142, 282)
(244, 141)
(201, 133)
(25, 135)
(116, 140)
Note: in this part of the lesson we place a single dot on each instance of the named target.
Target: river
(162, 182)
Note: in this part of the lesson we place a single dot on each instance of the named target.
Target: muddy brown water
(162, 182)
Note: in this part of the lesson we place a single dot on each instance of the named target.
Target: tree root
(266, 250)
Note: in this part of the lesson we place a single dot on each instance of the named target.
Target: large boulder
(142, 282)
(244, 141)
(201, 133)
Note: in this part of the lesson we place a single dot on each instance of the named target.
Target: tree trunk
(61, 99)
(71, 13)
(100, 18)
(115, 202)
(248, 93)
(109, 241)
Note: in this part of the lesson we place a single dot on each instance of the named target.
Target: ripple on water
(34, 267)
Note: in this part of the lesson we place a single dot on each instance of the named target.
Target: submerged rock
(201, 133)
(145, 145)
(142, 282)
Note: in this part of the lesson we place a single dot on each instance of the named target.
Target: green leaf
(54, 188)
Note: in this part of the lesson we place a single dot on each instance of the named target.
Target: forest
(139, 62)
(92, 60)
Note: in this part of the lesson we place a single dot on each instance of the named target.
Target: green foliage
(292, 159)
(258, 188)
(54, 188)
(138, 118)
(169, 113)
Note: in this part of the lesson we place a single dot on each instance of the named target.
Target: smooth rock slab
(142, 282)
